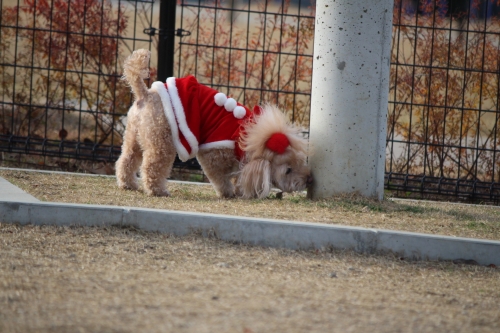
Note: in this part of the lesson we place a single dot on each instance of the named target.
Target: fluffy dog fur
(148, 146)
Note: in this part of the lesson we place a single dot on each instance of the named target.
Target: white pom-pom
(220, 99)
(239, 112)
(230, 104)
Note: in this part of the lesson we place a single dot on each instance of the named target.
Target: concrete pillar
(350, 88)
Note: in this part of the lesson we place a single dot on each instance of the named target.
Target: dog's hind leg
(219, 165)
(158, 156)
(155, 170)
(130, 159)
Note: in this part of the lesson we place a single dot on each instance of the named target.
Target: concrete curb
(263, 232)
(11, 192)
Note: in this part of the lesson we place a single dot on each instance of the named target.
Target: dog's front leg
(219, 166)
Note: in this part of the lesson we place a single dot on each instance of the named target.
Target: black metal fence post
(166, 41)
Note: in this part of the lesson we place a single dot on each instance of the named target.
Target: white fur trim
(159, 88)
(218, 144)
(239, 112)
(181, 116)
(230, 104)
(220, 99)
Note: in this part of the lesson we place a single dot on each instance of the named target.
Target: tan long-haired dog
(258, 148)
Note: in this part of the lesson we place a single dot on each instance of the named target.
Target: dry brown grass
(427, 217)
(76, 279)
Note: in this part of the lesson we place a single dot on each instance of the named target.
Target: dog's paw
(128, 186)
(163, 193)
(227, 195)
(226, 192)
(158, 193)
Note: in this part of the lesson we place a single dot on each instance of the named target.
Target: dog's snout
(309, 180)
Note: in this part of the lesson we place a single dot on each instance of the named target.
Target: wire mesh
(442, 135)
(60, 69)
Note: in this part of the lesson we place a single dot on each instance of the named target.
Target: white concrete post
(350, 88)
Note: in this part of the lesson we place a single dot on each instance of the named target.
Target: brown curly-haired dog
(258, 149)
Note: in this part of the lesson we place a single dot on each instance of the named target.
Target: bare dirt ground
(60, 279)
(75, 279)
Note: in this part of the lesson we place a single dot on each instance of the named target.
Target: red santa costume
(200, 117)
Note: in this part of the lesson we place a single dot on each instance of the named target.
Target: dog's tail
(135, 70)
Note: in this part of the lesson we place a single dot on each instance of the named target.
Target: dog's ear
(254, 180)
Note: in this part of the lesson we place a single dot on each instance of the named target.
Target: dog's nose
(309, 180)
